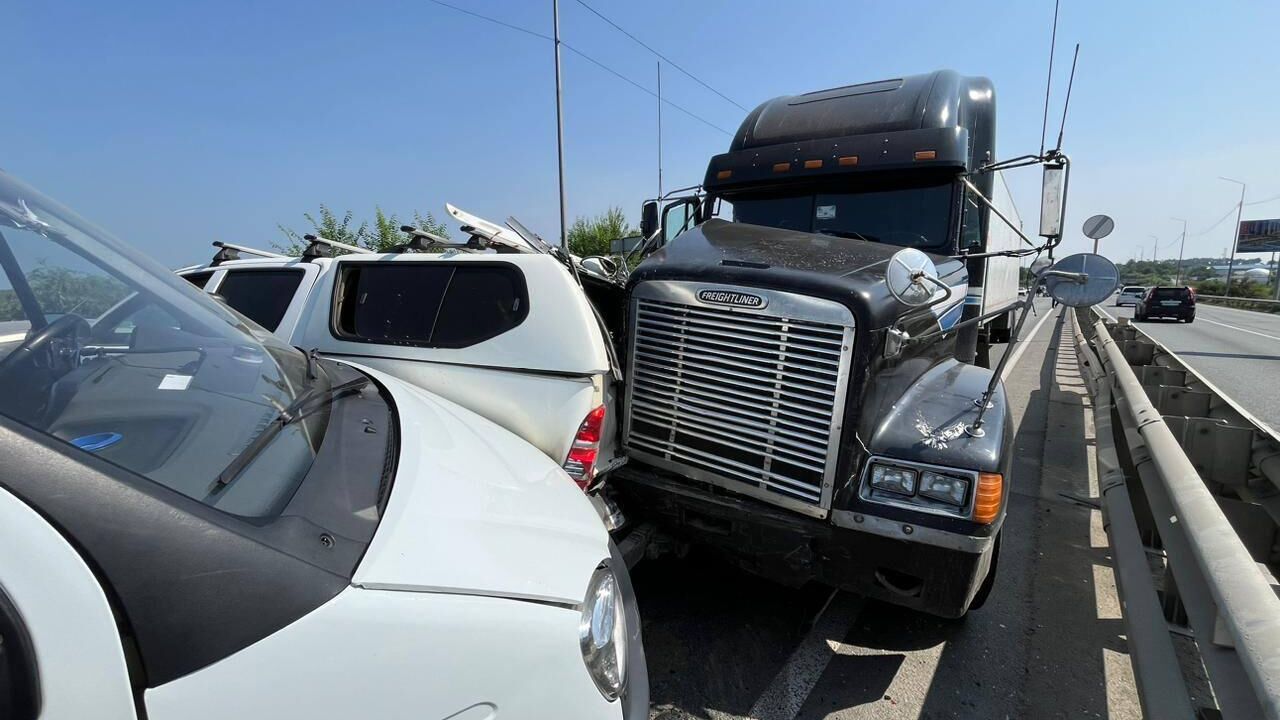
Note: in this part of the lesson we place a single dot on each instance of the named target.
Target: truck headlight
(944, 488)
(602, 633)
(897, 480)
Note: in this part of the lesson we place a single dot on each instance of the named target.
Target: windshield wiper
(302, 406)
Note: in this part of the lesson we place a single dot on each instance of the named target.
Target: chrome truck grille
(739, 387)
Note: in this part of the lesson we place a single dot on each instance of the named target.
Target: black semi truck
(784, 404)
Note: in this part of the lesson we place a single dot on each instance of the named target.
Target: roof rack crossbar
(230, 251)
(320, 247)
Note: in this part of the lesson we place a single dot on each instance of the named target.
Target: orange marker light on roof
(986, 504)
(812, 164)
(724, 174)
(926, 155)
(848, 160)
(781, 167)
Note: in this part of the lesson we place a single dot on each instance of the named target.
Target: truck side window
(971, 232)
(263, 296)
(448, 305)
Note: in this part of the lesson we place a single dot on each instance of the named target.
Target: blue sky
(174, 124)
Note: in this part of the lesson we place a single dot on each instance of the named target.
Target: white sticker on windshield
(826, 212)
(175, 382)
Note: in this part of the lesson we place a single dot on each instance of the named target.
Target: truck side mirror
(649, 218)
(1053, 196)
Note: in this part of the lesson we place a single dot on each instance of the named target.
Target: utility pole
(564, 218)
(1181, 247)
(1235, 231)
(659, 129)
(1155, 247)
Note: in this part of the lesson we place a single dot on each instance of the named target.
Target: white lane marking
(1233, 327)
(791, 686)
(1022, 345)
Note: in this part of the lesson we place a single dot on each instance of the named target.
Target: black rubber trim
(635, 695)
(19, 674)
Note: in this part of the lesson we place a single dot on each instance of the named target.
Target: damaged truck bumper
(919, 567)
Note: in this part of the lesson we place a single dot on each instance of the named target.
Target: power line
(493, 20)
(666, 59)
(586, 57)
(1263, 202)
(1221, 220)
(626, 79)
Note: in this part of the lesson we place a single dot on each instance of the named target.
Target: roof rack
(229, 251)
(322, 247)
(422, 241)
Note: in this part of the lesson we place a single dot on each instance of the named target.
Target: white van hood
(475, 510)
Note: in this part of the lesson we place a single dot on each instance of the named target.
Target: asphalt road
(724, 644)
(1236, 350)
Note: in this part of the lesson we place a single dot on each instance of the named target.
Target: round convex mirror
(1081, 280)
(911, 277)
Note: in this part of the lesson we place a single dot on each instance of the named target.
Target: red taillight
(581, 462)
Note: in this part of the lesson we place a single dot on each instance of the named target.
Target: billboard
(1260, 236)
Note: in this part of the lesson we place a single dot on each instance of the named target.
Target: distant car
(1130, 295)
(1022, 293)
(1172, 302)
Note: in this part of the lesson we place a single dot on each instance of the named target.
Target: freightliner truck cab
(783, 404)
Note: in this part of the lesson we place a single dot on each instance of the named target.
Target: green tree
(595, 235)
(382, 235)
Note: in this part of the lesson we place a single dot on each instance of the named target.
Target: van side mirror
(649, 218)
(1053, 198)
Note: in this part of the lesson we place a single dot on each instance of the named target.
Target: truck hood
(845, 270)
(475, 510)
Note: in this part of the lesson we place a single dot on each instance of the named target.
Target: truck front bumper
(919, 567)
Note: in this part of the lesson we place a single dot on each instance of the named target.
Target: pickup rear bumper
(926, 569)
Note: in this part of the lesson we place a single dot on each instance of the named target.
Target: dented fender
(929, 423)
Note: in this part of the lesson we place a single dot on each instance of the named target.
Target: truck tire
(989, 582)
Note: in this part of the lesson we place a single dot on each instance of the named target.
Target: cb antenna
(1048, 84)
(1067, 103)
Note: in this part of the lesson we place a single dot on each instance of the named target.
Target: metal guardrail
(1189, 486)
(1272, 306)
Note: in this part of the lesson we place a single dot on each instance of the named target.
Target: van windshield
(113, 355)
(916, 216)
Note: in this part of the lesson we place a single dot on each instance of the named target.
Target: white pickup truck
(500, 325)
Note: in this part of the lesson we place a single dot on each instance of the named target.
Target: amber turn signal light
(986, 505)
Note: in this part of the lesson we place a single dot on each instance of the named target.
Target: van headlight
(602, 633)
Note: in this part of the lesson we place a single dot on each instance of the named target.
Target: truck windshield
(908, 216)
(113, 355)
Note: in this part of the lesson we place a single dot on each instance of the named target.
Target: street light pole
(564, 218)
(1181, 247)
(1235, 232)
